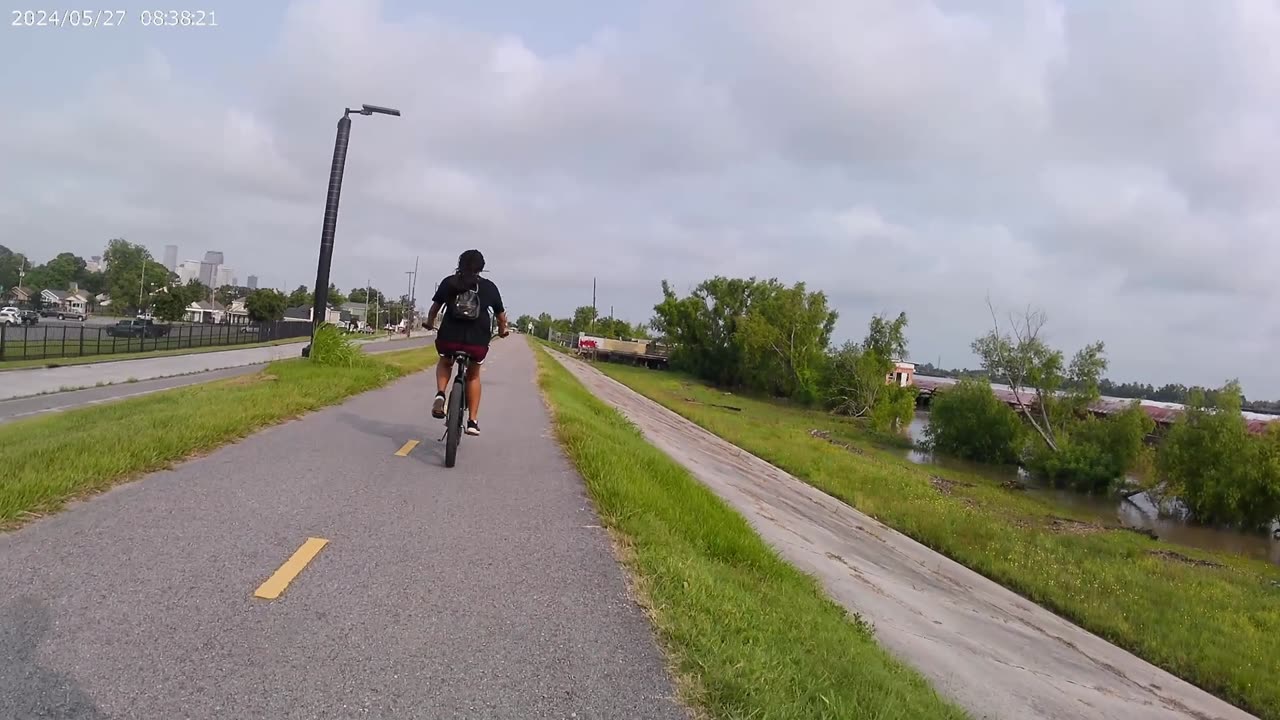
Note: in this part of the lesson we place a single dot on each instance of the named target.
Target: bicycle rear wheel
(453, 424)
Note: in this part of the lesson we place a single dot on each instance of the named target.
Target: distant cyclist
(467, 299)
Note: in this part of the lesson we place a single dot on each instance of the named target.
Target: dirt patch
(253, 379)
(1179, 557)
(1067, 526)
(826, 435)
(945, 486)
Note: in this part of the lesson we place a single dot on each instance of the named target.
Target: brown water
(1136, 512)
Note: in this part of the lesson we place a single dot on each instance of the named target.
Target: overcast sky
(1114, 162)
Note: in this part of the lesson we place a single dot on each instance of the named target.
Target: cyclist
(466, 327)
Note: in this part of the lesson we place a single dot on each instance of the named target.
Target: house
(20, 295)
(203, 311)
(902, 375)
(303, 313)
(354, 313)
(72, 299)
(237, 313)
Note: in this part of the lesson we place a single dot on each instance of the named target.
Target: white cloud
(1115, 163)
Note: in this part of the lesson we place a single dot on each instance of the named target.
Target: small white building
(902, 375)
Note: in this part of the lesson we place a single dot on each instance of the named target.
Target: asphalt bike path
(23, 407)
(392, 587)
(993, 652)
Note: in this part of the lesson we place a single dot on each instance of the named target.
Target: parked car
(138, 328)
(65, 314)
(13, 316)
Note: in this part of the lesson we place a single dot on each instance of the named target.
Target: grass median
(747, 634)
(51, 459)
(1210, 618)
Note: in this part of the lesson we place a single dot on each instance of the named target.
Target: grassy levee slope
(1210, 618)
(50, 459)
(748, 635)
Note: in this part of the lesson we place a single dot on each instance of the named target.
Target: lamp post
(319, 309)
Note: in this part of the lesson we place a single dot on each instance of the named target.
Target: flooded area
(1136, 512)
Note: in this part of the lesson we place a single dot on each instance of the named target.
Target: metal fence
(40, 342)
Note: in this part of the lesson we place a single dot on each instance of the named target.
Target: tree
(703, 328)
(1221, 472)
(785, 334)
(1049, 393)
(132, 271)
(542, 326)
(968, 421)
(1072, 446)
(226, 294)
(11, 264)
(170, 304)
(584, 319)
(266, 305)
(524, 322)
(301, 297)
(336, 298)
(857, 374)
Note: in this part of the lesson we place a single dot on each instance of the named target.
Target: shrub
(1093, 453)
(968, 421)
(330, 347)
(1217, 469)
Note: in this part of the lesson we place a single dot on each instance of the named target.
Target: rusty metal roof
(1161, 412)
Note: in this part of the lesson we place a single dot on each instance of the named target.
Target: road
(484, 591)
(990, 650)
(24, 407)
(37, 381)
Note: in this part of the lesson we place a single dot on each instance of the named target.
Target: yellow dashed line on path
(408, 448)
(271, 589)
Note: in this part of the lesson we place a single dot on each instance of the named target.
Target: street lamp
(319, 310)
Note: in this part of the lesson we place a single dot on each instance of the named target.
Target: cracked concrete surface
(990, 650)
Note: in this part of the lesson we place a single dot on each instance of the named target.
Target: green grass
(50, 459)
(748, 635)
(1216, 626)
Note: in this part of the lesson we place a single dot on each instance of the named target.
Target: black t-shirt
(469, 332)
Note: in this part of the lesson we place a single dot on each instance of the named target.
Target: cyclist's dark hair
(471, 262)
(470, 265)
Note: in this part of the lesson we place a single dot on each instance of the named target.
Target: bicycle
(456, 404)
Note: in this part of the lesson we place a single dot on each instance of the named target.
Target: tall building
(213, 257)
(171, 257)
(253, 282)
(208, 273)
(188, 270)
(223, 276)
(95, 264)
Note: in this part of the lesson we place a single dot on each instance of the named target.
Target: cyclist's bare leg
(473, 390)
(444, 369)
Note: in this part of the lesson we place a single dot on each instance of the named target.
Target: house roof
(301, 312)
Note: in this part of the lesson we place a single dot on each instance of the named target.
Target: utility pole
(141, 281)
(592, 326)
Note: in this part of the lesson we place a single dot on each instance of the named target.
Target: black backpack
(466, 306)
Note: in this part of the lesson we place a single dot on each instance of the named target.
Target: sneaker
(437, 407)
(472, 428)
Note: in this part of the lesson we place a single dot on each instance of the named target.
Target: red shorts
(447, 349)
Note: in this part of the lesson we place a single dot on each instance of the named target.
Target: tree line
(1208, 459)
(1169, 392)
(584, 319)
(136, 282)
(766, 337)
